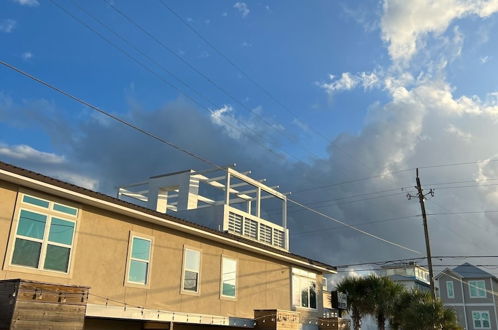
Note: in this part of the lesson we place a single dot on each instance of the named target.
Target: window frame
(473, 286)
(452, 289)
(300, 276)
(480, 319)
(182, 283)
(129, 258)
(50, 213)
(222, 296)
(325, 285)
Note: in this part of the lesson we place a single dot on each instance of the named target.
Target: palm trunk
(356, 319)
(381, 321)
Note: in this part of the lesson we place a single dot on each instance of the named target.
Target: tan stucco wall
(100, 258)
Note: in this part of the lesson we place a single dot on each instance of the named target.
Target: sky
(335, 101)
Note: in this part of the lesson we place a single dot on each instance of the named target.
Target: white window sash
(196, 271)
(449, 284)
(147, 261)
(46, 232)
(224, 279)
(479, 288)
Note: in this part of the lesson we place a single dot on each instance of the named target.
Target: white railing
(244, 224)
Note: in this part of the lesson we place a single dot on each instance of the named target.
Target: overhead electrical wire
(148, 69)
(352, 227)
(178, 148)
(392, 172)
(196, 70)
(129, 19)
(116, 118)
(321, 230)
(403, 260)
(253, 81)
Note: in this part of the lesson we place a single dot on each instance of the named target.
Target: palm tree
(417, 310)
(356, 290)
(381, 295)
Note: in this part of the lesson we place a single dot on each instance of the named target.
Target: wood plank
(31, 325)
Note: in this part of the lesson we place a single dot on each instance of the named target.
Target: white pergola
(180, 191)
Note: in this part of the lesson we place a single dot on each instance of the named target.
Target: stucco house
(72, 258)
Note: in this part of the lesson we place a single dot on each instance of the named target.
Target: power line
(194, 155)
(383, 269)
(252, 80)
(355, 224)
(148, 69)
(465, 212)
(385, 262)
(393, 172)
(353, 227)
(116, 118)
(193, 68)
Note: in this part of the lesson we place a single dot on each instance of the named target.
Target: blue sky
(350, 89)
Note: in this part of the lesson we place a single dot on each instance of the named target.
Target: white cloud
(246, 44)
(464, 136)
(7, 25)
(29, 3)
(348, 81)
(242, 8)
(27, 56)
(25, 152)
(484, 59)
(404, 24)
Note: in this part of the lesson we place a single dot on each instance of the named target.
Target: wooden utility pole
(421, 198)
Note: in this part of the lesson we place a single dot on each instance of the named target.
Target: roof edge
(60, 188)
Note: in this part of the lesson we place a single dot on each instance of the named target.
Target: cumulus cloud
(242, 8)
(49, 163)
(7, 25)
(421, 125)
(405, 24)
(348, 81)
(29, 3)
(27, 152)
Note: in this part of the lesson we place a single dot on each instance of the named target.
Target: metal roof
(467, 270)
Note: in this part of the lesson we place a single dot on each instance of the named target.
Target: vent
(235, 223)
(278, 238)
(265, 233)
(250, 228)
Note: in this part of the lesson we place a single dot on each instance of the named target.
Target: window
(324, 284)
(477, 289)
(450, 292)
(44, 235)
(303, 288)
(139, 260)
(481, 320)
(228, 277)
(191, 270)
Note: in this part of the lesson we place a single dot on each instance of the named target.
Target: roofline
(63, 189)
(447, 270)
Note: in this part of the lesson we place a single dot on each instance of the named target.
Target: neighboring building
(470, 291)
(410, 275)
(72, 258)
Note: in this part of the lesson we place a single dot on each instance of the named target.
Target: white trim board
(134, 313)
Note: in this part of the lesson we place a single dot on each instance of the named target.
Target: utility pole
(421, 198)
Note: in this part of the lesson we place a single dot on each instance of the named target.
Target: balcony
(241, 223)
